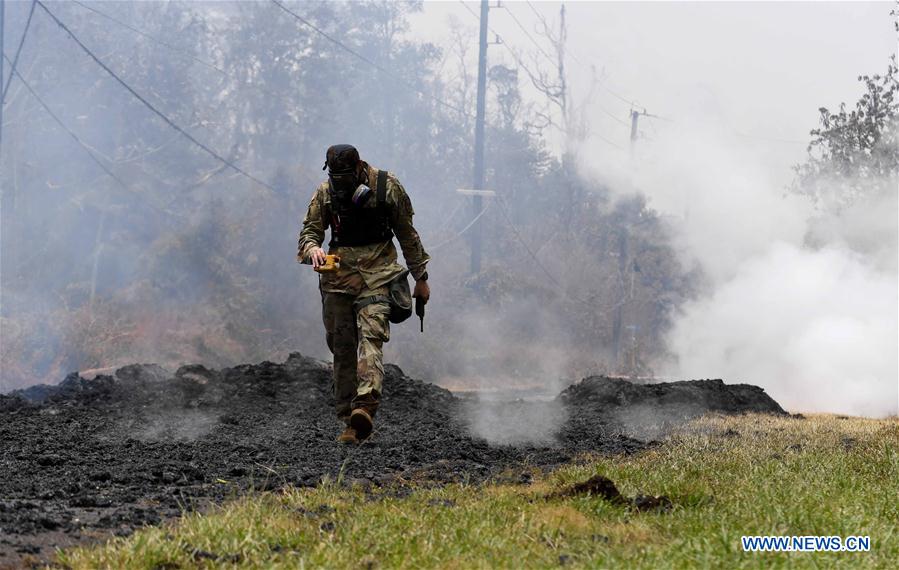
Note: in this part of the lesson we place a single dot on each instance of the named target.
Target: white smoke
(514, 377)
(804, 306)
(817, 329)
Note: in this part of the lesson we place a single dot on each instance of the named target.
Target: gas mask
(347, 189)
(341, 160)
(343, 184)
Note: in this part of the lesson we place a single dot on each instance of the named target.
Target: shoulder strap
(382, 187)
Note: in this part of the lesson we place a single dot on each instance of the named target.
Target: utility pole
(623, 297)
(635, 116)
(478, 177)
(2, 26)
(4, 197)
(618, 321)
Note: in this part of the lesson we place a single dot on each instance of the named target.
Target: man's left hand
(422, 291)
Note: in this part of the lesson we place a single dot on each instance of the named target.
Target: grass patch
(727, 477)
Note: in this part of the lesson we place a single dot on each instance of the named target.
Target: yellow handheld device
(332, 264)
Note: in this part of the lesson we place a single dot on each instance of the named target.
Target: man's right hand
(318, 257)
(422, 291)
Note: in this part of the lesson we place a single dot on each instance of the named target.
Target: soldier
(355, 306)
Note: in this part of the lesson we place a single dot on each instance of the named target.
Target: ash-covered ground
(91, 458)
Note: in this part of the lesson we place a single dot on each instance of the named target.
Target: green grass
(821, 475)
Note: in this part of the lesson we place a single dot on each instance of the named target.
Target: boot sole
(361, 422)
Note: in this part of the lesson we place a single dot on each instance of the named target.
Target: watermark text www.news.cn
(806, 543)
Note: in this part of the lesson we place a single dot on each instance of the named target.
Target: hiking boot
(348, 436)
(360, 421)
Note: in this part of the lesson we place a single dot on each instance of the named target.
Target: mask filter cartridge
(361, 194)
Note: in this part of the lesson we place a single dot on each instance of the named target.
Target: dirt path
(91, 458)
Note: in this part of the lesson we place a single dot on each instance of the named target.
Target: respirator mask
(341, 161)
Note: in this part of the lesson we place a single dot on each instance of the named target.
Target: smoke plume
(799, 302)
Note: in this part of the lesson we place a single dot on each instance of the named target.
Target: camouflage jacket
(367, 266)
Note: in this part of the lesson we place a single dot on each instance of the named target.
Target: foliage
(855, 152)
(185, 260)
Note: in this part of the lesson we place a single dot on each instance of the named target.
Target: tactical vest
(353, 226)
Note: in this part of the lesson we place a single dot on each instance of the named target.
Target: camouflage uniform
(355, 337)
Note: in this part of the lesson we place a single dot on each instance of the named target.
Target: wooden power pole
(2, 26)
(635, 116)
(478, 175)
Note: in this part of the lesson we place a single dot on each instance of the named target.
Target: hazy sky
(756, 69)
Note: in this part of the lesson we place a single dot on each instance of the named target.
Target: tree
(178, 259)
(855, 152)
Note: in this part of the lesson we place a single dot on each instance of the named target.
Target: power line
(149, 105)
(536, 260)
(86, 147)
(500, 39)
(597, 135)
(524, 244)
(15, 60)
(237, 81)
(529, 36)
(574, 56)
(59, 122)
(461, 232)
(631, 102)
(654, 116)
(448, 220)
(153, 38)
(613, 116)
(367, 60)
(607, 141)
(536, 12)
(546, 25)
(533, 77)
(619, 96)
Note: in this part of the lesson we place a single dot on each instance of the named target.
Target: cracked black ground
(88, 459)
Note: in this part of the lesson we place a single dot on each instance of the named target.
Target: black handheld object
(420, 311)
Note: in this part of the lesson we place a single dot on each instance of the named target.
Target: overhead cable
(62, 125)
(365, 59)
(152, 38)
(542, 19)
(86, 147)
(577, 59)
(462, 231)
(238, 82)
(533, 77)
(149, 105)
(15, 60)
(536, 260)
(607, 141)
(619, 96)
(613, 116)
(500, 39)
(529, 36)
(524, 244)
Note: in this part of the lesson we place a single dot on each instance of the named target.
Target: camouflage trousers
(356, 338)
